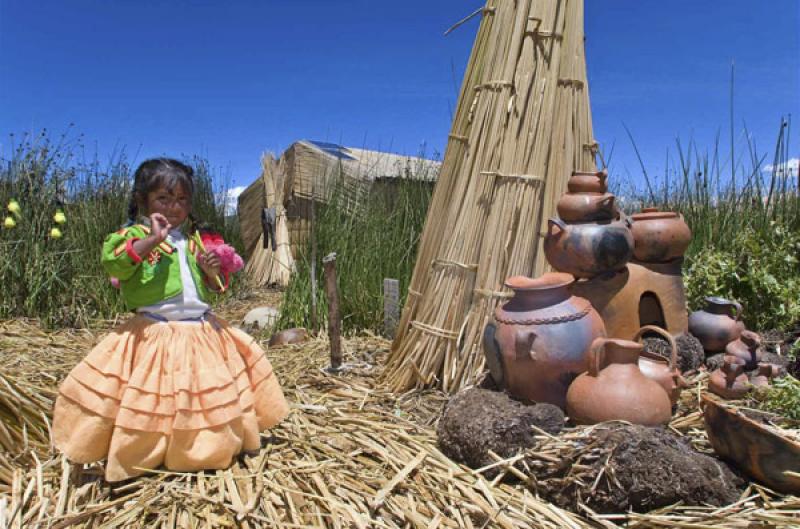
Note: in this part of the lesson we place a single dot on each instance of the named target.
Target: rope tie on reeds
(412, 292)
(456, 264)
(496, 83)
(486, 293)
(524, 177)
(447, 334)
(536, 32)
(458, 137)
(593, 147)
(577, 83)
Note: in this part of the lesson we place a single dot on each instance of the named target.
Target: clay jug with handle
(618, 391)
(718, 324)
(655, 367)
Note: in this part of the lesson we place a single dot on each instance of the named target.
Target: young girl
(175, 385)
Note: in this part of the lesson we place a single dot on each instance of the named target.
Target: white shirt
(187, 304)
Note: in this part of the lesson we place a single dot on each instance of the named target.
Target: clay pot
(659, 236)
(585, 207)
(539, 340)
(717, 325)
(619, 391)
(588, 182)
(729, 381)
(666, 373)
(764, 375)
(288, 336)
(588, 249)
(747, 348)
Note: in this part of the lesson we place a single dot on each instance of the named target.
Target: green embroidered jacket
(149, 279)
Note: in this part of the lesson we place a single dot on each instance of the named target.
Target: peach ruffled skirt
(185, 395)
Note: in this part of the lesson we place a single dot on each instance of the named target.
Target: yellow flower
(13, 207)
(55, 233)
(59, 217)
(9, 223)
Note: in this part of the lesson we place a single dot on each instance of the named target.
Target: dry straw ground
(351, 454)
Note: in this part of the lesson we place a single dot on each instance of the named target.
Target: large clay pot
(659, 236)
(746, 348)
(717, 325)
(539, 340)
(618, 391)
(655, 367)
(288, 336)
(586, 207)
(588, 182)
(588, 249)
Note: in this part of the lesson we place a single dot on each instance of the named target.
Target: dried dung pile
(351, 454)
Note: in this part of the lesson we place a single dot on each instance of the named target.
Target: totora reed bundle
(522, 126)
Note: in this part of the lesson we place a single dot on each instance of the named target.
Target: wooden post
(334, 322)
(391, 306)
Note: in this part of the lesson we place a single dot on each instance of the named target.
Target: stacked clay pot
(659, 236)
(590, 237)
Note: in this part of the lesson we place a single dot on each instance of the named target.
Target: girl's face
(175, 204)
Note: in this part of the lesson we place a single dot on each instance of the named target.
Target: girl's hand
(210, 264)
(159, 227)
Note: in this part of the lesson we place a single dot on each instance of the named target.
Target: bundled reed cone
(522, 126)
(265, 266)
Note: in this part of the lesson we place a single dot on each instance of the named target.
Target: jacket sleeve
(119, 259)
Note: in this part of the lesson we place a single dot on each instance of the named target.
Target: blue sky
(230, 80)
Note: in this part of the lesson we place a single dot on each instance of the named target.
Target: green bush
(762, 273)
(60, 280)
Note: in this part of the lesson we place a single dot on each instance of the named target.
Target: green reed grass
(745, 223)
(61, 281)
(379, 242)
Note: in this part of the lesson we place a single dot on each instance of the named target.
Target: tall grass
(379, 242)
(744, 212)
(61, 281)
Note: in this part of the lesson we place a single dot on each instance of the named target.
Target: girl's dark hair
(155, 173)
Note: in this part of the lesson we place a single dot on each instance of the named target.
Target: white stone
(261, 317)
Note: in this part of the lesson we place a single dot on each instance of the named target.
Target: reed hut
(308, 173)
(522, 125)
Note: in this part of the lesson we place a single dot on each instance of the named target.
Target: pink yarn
(230, 261)
(114, 282)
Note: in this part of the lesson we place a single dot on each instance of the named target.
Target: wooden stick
(334, 321)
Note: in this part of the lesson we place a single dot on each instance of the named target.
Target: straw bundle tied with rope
(266, 266)
(522, 126)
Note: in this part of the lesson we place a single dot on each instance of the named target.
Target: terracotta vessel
(585, 207)
(718, 324)
(761, 451)
(747, 348)
(764, 375)
(588, 249)
(655, 367)
(618, 391)
(729, 381)
(659, 236)
(539, 340)
(588, 182)
(288, 336)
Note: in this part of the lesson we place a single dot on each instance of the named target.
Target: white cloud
(231, 197)
(788, 169)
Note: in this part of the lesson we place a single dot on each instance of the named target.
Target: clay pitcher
(659, 236)
(588, 249)
(539, 340)
(747, 348)
(586, 207)
(764, 375)
(655, 367)
(588, 182)
(729, 381)
(618, 391)
(718, 324)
